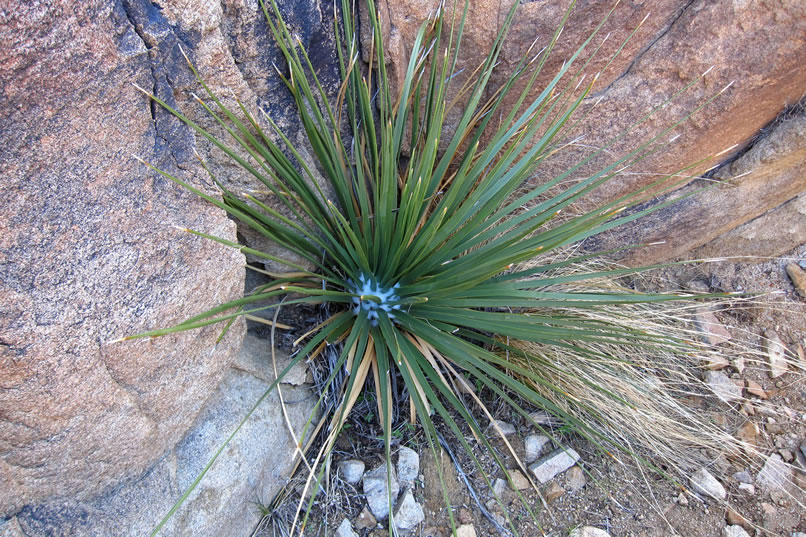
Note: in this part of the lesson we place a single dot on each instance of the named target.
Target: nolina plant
(428, 261)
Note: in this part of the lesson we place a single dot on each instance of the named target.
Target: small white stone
(500, 486)
(409, 513)
(722, 386)
(774, 475)
(743, 477)
(408, 465)
(554, 464)
(352, 470)
(734, 531)
(588, 531)
(507, 429)
(533, 446)
(377, 491)
(747, 488)
(346, 529)
(466, 530)
(776, 354)
(704, 483)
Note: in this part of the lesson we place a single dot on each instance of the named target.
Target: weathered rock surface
(88, 254)
(759, 48)
(254, 466)
(88, 251)
(757, 210)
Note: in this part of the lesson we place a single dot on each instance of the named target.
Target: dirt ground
(619, 496)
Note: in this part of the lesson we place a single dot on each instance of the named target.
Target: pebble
(554, 464)
(352, 470)
(533, 446)
(747, 488)
(800, 456)
(734, 531)
(682, 499)
(774, 475)
(588, 531)
(748, 432)
(798, 534)
(365, 520)
(735, 519)
(714, 331)
(743, 477)
(506, 428)
(722, 386)
(704, 483)
(346, 529)
(377, 492)
(409, 513)
(798, 277)
(500, 486)
(465, 516)
(518, 480)
(553, 491)
(408, 465)
(466, 530)
(776, 354)
(755, 388)
(541, 418)
(575, 479)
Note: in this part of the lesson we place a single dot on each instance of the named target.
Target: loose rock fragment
(466, 530)
(575, 479)
(798, 277)
(704, 483)
(352, 470)
(722, 386)
(366, 520)
(714, 331)
(776, 354)
(735, 519)
(588, 531)
(734, 531)
(408, 465)
(553, 491)
(346, 529)
(553, 464)
(533, 446)
(518, 480)
(774, 475)
(505, 428)
(748, 432)
(743, 477)
(377, 492)
(755, 388)
(409, 513)
(500, 486)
